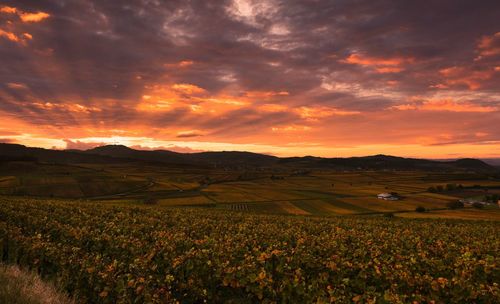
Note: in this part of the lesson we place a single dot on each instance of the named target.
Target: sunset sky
(325, 78)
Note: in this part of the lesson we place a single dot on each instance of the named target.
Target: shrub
(420, 209)
(150, 201)
(450, 187)
(478, 205)
(455, 205)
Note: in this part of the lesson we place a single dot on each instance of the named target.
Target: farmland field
(103, 252)
(323, 193)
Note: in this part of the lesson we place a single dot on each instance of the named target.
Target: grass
(21, 287)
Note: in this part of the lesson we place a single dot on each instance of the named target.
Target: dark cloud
(91, 63)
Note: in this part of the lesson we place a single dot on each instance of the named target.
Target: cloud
(24, 15)
(315, 113)
(249, 72)
(489, 46)
(33, 17)
(79, 145)
(187, 134)
(446, 105)
(7, 141)
(189, 89)
(461, 76)
(172, 148)
(9, 35)
(8, 10)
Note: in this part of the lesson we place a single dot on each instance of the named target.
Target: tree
(450, 187)
(478, 205)
(455, 205)
(420, 209)
(150, 200)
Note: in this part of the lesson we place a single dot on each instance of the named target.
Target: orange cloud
(197, 99)
(8, 10)
(180, 64)
(186, 63)
(380, 65)
(33, 17)
(189, 133)
(290, 128)
(268, 107)
(24, 16)
(14, 85)
(76, 108)
(384, 70)
(9, 35)
(21, 39)
(446, 105)
(457, 76)
(489, 46)
(315, 113)
(186, 88)
(265, 94)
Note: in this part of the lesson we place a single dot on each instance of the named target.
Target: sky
(290, 78)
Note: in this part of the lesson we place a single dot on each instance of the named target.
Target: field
(319, 193)
(111, 253)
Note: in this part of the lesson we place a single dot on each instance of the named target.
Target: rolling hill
(119, 153)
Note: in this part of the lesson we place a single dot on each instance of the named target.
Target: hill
(15, 152)
(120, 153)
(385, 162)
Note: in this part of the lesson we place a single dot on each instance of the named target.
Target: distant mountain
(224, 158)
(386, 162)
(119, 153)
(11, 152)
(235, 158)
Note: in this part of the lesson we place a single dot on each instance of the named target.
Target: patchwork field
(319, 193)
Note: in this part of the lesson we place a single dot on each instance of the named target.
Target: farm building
(469, 202)
(387, 197)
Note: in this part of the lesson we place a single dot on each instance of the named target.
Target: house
(470, 202)
(387, 197)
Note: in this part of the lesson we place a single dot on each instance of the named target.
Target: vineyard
(103, 253)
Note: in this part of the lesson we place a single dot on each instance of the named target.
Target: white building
(387, 197)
